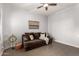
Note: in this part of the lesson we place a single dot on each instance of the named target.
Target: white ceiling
(32, 7)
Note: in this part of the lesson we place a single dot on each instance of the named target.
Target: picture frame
(33, 24)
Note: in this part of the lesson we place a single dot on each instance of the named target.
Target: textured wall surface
(65, 26)
(15, 22)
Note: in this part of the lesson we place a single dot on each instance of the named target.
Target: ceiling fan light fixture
(45, 5)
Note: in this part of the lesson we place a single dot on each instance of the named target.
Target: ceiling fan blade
(39, 7)
(52, 4)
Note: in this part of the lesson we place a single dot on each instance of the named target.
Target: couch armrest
(24, 39)
(50, 39)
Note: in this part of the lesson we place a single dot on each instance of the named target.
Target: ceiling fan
(46, 5)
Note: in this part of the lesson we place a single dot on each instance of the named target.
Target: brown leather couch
(29, 44)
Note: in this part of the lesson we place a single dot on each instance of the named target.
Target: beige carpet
(55, 49)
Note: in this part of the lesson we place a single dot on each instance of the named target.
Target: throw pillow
(31, 37)
(36, 35)
(42, 36)
(46, 40)
(25, 39)
(27, 36)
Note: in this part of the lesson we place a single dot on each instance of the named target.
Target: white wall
(15, 21)
(64, 26)
(0, 24)
(1, 40)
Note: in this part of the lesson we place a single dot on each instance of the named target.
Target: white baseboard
(66, 43)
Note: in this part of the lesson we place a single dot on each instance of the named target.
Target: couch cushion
(35, 42)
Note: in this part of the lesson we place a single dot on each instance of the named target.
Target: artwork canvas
(33, 24)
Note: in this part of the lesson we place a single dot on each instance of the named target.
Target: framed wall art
(33, 24)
